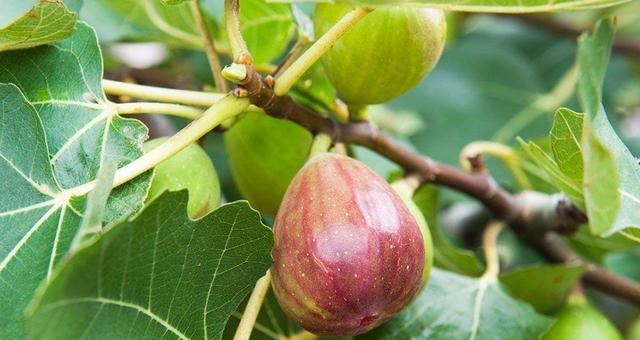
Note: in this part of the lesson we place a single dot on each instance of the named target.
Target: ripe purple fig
(348, 254)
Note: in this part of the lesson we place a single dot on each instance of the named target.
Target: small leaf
(47, 21)
(160, 274)
(565, 137)
(458, 307)
(545, 287)
(560, 180)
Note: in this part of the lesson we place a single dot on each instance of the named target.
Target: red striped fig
(348, 254)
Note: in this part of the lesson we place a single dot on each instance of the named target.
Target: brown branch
(629, 47)
(552, 246)
(532, 214)
(501, 203)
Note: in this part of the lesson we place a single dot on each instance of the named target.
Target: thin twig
(210, 48)
(552, 246)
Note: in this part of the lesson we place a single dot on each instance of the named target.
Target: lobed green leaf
(158, 275)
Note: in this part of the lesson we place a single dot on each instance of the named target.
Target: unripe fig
(348, 254)
(578, 320)
(406, 194)
(385, 54)
(189, 169)
(264, 154)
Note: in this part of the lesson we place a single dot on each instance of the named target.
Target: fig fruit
(385, 54)
(264, 154)
(189, 169)
(348, 254)
(578, 320)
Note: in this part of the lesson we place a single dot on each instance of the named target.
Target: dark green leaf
(458, 307)
(545, 287)
(54, 136)
(37, 222)
(159, 274)
(64, 84)
(47, 21)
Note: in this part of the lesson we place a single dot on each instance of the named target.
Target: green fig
(264, 154)
(189, 169)
(385, 54)
(578, 320)
(405, 192)
(348, 254)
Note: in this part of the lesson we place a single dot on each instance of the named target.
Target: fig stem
(321, 143)
(503, 152)
(195, 98)
(490, 244)
(239, 48)
(248, 320)
(227, 107)
(177, 110)
(288, 78)
(209, 45)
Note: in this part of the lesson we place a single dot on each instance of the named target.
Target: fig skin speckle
(348, 253)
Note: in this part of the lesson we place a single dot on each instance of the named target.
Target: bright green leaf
(565, 137)
(561, 181)
(157, 275)
(47, 21)
(545, 287)
(611, 172)
(458, 307)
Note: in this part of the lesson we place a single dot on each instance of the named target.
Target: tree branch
(532, 214)
(514, 210)
(552, 246)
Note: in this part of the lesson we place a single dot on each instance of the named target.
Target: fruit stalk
(286, 80)
(248, 320)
